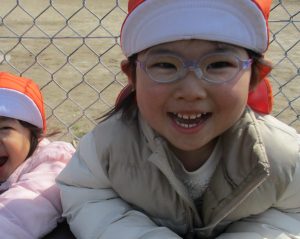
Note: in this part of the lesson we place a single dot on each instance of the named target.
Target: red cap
(261, 99)
(21, 98)
(243, 23)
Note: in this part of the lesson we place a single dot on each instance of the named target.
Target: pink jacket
(30, 204)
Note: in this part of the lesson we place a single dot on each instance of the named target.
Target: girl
(182, 155)
(29, 163)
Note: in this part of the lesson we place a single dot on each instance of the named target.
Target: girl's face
(190, 113)
(14, 146)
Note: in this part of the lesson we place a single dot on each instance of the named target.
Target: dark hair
(128, 103)
(259, 62)
(36, 135)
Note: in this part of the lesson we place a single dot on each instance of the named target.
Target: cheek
(148, 100)
(149, 93)
(153, 101)
(27, 143)
(234, 96)
(17, 149)
(22, 146)
(22, 150)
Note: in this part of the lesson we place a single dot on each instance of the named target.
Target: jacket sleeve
(91, 206)
(282, 221)
(272, 224)
(31, 207)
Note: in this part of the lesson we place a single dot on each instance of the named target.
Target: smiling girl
(190, 150)
(29, 163)
(15, 139)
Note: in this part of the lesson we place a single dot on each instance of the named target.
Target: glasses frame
(194, 66)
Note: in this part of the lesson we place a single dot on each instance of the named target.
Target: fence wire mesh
(71, 49)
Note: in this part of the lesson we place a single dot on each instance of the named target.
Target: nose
(191, 87)
(197, 71)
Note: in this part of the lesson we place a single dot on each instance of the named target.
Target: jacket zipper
(223, 212)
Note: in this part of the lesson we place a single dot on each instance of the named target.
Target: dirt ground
(72, 51)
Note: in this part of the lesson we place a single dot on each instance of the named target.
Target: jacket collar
(244, 166)
(163, 158)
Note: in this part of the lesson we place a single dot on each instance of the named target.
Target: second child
(30, 204)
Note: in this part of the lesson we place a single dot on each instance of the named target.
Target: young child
(30, 204)
(183, 155)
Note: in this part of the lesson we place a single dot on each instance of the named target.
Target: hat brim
(19, 106)
(154, 22)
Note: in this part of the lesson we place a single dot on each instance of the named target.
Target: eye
(163, 65)
(5, 128)
(219, 65)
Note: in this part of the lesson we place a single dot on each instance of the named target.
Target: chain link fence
(71, 49)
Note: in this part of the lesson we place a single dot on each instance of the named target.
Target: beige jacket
(120, 184)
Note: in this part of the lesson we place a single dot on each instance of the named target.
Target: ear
(125, 67)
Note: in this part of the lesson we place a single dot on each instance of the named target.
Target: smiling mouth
(188, 121)
(3, 160)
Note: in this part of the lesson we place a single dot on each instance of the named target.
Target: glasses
(215, 68)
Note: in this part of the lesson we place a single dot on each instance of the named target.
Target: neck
(194, 159)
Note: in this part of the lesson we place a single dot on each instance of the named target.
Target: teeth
(186, 125)
(189, 117)
(183, 119)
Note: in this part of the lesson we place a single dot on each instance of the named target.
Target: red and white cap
(239, 22)
(20, 98)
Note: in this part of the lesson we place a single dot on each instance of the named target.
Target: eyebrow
(219, 47)
(159, 51)
(5, 119)
(225, 47)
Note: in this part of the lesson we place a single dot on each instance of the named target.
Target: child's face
(189, 112)
(14, 146)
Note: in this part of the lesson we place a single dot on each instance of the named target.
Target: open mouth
(188, 121)
(3, 160)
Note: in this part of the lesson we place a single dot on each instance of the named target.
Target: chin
(187, 147)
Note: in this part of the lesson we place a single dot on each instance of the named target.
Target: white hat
(152, 22)
(21, 98)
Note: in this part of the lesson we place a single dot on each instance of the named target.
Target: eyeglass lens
(216, 68)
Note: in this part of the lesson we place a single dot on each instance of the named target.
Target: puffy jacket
(120, 184)
(30, 203)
